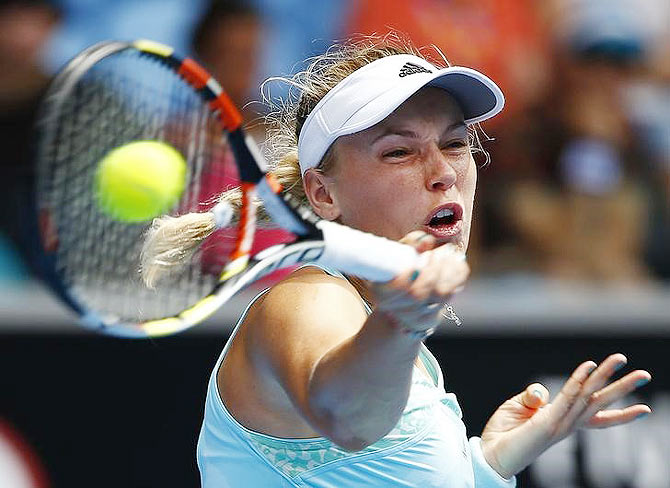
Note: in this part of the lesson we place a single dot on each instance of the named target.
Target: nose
(440, 174)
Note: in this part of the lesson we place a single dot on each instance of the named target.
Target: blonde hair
(170, 241)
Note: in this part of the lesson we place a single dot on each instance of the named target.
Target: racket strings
(123, 99)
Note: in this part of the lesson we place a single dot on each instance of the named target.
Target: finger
(445, 272)
(402, 291)
(454, 249)
(599, 378)
(535, 396)
(452, 279)
(617, 390)
(567, 397)
(439, 273)
(609, 418)
(419, 240)
(423, 286)
(594, 382)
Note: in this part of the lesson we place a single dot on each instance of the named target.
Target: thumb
(535, 396)
(419, 240)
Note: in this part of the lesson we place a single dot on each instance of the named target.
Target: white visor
(373, 92)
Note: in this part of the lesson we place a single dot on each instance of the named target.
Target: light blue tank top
(427, 448)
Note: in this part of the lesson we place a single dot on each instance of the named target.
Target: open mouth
(446, 215)
(446, 220)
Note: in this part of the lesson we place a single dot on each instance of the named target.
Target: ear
(318, 188)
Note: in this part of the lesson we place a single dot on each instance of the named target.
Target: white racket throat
(365, 255)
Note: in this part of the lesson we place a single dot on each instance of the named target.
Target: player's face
(414, 170)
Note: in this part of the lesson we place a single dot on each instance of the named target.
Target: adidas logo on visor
(411, 69)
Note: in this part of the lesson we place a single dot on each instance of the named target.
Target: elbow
(347, 437)
(347, 420)
(340, 429)
(352, 444)
(344, 431)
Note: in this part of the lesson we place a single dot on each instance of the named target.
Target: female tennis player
(325, 381)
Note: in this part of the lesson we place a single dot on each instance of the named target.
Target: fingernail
(642, 415)
(591, 368)
(415, 275)
(641, 382)
(619, 366)
(538, 393)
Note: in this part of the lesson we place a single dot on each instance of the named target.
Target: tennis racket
(114, 93)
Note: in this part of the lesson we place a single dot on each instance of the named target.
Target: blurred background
(570, 252)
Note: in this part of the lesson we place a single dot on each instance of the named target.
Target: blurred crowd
(578, 187)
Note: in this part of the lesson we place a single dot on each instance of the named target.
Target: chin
(458, 239)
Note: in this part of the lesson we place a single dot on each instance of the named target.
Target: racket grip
(364, 255)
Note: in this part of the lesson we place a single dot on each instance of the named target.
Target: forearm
(359, 388)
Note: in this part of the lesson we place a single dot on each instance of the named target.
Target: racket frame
(318, 240)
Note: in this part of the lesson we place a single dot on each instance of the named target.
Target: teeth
(445, 212)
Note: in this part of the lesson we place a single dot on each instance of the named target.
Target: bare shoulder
(309, 310)
(309, 285)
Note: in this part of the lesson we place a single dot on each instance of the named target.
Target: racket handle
(364, 255)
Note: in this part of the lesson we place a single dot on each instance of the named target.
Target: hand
(526, 425)
(415, 298)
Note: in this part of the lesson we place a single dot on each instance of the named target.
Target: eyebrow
(411, 134)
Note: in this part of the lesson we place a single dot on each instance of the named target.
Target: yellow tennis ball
(140, 180)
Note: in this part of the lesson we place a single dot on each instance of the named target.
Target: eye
(396, 153)
(457, 144)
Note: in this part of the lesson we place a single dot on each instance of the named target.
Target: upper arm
(298, 322)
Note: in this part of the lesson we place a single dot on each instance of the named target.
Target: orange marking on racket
(195, 74)
(247, 217)
(274, 185)
(228, 114)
